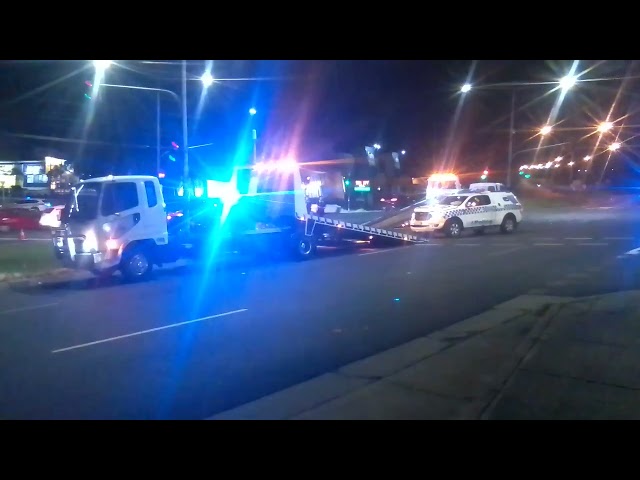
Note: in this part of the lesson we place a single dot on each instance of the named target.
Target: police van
(468, 209)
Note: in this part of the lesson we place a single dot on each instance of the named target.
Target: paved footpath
(533, 357)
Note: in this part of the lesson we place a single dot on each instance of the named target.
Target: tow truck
(121, 223)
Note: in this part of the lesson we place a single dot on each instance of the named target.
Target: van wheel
(136, 265)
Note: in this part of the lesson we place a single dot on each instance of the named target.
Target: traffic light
(347, 182)
(89, 90)
(521, 172)
(528, 175)
(175, 147)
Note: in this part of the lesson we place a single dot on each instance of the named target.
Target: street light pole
(185, 135)
(157, 133)
(511, 135)
(255, 146)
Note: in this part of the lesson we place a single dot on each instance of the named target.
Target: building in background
(48, 173)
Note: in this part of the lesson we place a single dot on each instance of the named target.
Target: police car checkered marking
(483, 209)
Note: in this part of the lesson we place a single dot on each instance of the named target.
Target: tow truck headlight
(112, 244)
(90, 241)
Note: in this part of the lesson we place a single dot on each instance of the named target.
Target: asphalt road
(187, 345)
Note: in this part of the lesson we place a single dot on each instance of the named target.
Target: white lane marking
(592, 244)
(635, 251)
(548, 244)
(467, 244)
(507, 251)
(431, 244)
(618, 238)
(543, 239)
(29, 307)
(578, 238)
(142, 332)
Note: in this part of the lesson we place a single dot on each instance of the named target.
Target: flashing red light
(161, 175)
(486, 172)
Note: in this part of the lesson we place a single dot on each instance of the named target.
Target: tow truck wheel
(305, 247)
(453, 228)
(136, 265)
(508, 224)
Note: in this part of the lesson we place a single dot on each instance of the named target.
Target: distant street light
(377, 146)
(546, 130)
(102, 64)
(567, 82)
(207, 79)
(587, 158)
(605, 127)
(571, 164)
(252, 111)
(558, 159)
(403, 152)
(614, 146)
(465, 88)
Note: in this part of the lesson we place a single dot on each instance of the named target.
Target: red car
(15, 219)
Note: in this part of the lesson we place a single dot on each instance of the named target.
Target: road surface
(188, 345)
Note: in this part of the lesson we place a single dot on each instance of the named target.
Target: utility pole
(158, 133)
(185, 134)
(512, 133)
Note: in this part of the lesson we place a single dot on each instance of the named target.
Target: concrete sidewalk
(534, 357)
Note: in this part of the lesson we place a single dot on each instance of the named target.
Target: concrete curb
(296, 400)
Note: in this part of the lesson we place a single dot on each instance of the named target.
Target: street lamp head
(546, 130)
(207, 79)
(571, 164)
(403, 152)
(465, 88)
(252, 111)
(102, 64)
(558, 159)
(614, 146)
(567, 82)
(587, 158)
(605, 127)
(377, 146)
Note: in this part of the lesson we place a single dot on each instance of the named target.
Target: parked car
(29, 204)
(15, 219)
(51, 217)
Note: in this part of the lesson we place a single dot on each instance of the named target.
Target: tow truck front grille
(422, 216)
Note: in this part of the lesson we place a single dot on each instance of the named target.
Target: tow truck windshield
(83, 202)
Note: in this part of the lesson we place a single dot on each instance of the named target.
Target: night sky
(311, 109)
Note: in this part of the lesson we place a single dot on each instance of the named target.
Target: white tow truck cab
(441, 184)
(468, 209)
(120, 223)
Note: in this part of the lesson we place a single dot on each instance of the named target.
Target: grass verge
(26, 258)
